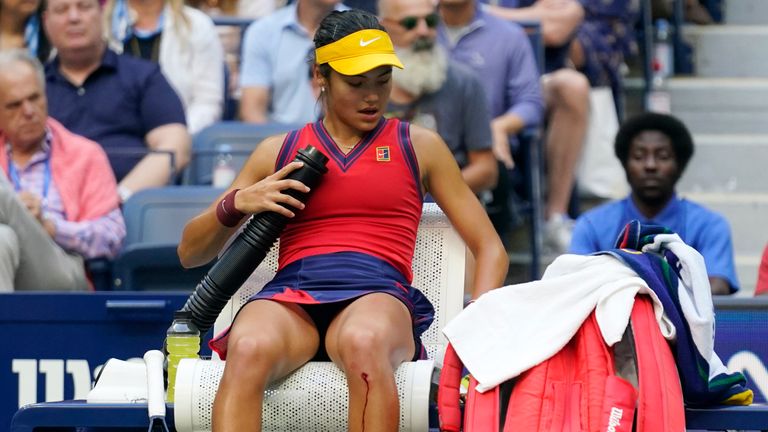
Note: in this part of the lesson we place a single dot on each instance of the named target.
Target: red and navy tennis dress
(357, 233)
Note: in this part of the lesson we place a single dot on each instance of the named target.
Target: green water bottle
(182, 341)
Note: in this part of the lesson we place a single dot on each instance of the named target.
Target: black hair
(674, 129)
(339, 24)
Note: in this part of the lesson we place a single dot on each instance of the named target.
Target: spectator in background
(241, 8)
(654, 150)
(559, 20)
(437, 93)
(273, 76)
(595, 36)
(231, 37)
(500, 52)
(20, 27)
(604, 41)
(762, 274)
(257, 8)
(58, 196)
(123, 103)
(366, 5)
(183, 41)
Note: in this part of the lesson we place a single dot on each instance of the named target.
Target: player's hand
(267, 194)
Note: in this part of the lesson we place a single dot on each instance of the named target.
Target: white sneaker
(557, 234)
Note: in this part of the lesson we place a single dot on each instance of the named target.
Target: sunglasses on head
(410, 22)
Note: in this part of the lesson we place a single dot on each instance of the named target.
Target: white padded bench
(314, 398)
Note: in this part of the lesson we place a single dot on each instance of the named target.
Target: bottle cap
(182, 314)
(314, 157)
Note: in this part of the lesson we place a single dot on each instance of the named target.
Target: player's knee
(360, 347)
(257, 353)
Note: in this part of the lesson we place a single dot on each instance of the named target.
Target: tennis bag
(577, 389)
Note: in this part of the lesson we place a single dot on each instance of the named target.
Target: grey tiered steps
(725, 104)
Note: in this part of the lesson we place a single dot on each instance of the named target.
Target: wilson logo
(615, 419)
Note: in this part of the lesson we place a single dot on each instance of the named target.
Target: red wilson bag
(577, 389)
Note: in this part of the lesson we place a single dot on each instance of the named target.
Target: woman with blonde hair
(184, 41)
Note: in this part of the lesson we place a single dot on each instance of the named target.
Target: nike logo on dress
(366, 43)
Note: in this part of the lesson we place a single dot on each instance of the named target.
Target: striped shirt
(100, 237)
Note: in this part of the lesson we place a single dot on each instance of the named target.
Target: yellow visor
(359, 52)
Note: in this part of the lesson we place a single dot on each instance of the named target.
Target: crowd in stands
(142, 77)
(58, 195)
(274, 74)
(566, 95)
(500, 53)
(437, 92)
(123, 103)
(183, 41)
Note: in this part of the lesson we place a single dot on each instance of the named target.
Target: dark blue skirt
(338, 278)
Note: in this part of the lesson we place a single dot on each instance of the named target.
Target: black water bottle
(250, 247)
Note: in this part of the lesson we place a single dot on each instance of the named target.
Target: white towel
(511, 329)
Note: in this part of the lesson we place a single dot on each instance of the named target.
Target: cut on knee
(364, 376)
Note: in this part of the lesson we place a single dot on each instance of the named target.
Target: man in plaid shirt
(58, 196)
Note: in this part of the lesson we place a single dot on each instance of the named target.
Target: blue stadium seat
(99, 272)
(154, 221)
(233, 21)
(135, 154)
(242, 139)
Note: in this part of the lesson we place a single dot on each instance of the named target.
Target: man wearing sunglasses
(436, 93)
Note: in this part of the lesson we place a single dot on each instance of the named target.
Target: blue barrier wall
(741, 339)
(56, 343)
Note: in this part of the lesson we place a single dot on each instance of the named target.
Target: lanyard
(14, 174)
(32, 34)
